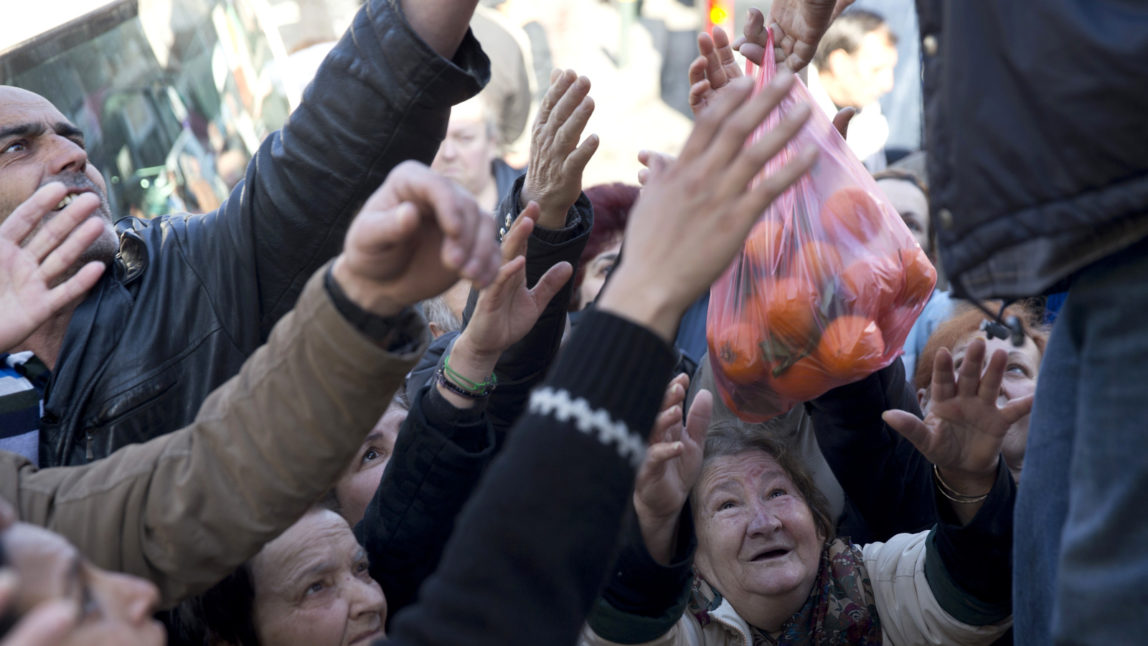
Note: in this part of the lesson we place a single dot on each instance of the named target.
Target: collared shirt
(868, 129)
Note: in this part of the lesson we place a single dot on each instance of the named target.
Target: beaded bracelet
(953, 494)
(466, 384)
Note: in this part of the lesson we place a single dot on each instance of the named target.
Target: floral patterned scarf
(840, 608)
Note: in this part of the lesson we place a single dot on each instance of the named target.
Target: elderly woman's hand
(554, 177)
(672, 465)
(964, 428)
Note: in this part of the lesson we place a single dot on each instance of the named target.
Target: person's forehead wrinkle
(292, 566)
(724, 485)
(307, 555)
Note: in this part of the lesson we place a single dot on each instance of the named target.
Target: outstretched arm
(441, 23)
(446, 442)
(964, 429)
(270, 441)
(381, 97)
(672, 466)
(554, 181)
(533, 547)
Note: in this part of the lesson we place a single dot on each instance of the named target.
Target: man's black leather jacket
(192, 296)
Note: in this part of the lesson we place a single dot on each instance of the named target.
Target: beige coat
(183, 510)
(909, 612)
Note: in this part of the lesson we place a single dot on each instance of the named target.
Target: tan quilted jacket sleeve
(185, 509)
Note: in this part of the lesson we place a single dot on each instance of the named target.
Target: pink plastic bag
(827, 287)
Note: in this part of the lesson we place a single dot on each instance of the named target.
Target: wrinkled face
(39, 145)
(469, 148)
(358, 484)
(112, 608)
(867, 74)
(596, 271)
(312, 586)
(757, 540)
(912, 204)
(1019, 380)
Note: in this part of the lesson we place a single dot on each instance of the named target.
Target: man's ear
(838, 62)
(923, 398)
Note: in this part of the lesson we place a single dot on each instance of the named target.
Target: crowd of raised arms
(354, 404)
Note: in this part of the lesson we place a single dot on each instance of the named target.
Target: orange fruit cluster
(818, 302)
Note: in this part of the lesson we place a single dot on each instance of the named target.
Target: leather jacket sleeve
(381, 97)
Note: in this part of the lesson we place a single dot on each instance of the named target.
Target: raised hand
(554, 177)
(506, 310)
(716, 67)
(712, 70)
(672, 466)
(797, 26)
(694, 214)
(964, 428)
(39, 253)
(413, 239)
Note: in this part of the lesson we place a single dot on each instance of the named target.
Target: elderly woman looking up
(768, 568)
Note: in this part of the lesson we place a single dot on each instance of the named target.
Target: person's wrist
(364, 292)
(470, 361)
(965, 483)
(527, 195)
(646, 302)
(651, 518)
(658, 532)
(550, 216)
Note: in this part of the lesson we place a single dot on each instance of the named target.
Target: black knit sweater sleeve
(439, 456)
(532, 549)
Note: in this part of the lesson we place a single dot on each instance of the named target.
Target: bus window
(174, 96)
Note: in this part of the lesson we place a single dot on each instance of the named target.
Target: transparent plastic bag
(827, 287)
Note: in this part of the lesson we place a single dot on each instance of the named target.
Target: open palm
(964, 428)
(507, 309)
(38, 276)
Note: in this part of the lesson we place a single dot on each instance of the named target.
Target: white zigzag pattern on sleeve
(547, 401)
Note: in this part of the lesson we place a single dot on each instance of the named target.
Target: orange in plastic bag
(827, 286)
